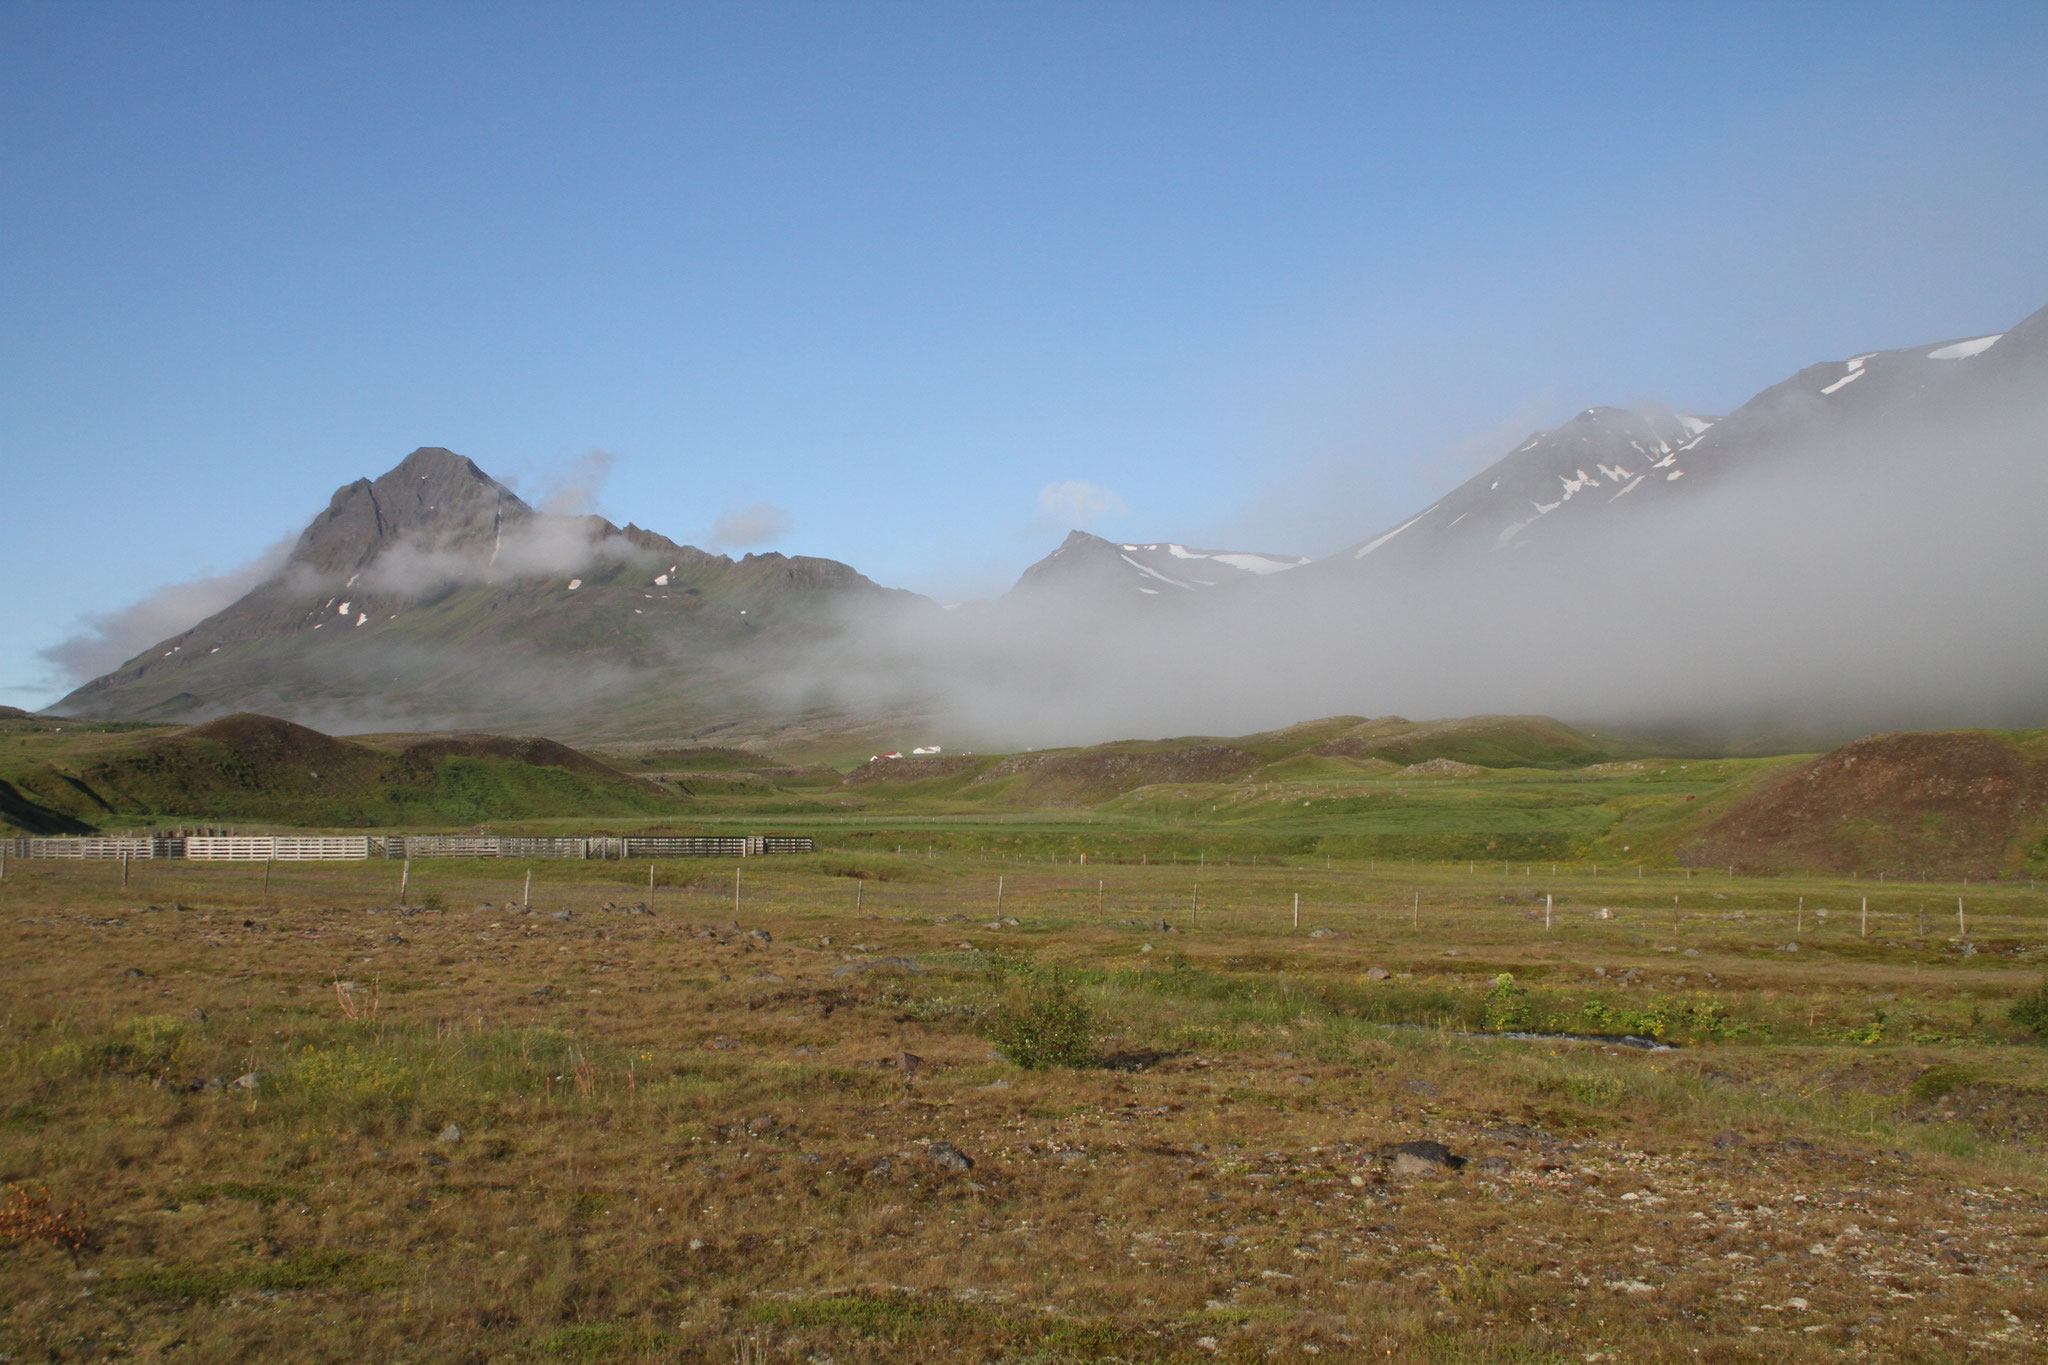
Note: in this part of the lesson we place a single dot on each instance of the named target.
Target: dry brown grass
(682, 1143)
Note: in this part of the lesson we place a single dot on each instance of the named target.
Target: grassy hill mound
(1086, 776)
(1952, 803)
(536, 752)
(1055, 777)
(1314, 767)
(253, 767)
(1332, 748)
(1482, 741)
(922, 775)
(708, 758)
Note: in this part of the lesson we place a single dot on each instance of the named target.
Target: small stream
(1629, 1040)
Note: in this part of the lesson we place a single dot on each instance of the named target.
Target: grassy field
(729, 1116)
(1476, 789)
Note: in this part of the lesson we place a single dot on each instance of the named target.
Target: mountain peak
(1091, 565)
(432, 595)
(427, 461)
(433, 495)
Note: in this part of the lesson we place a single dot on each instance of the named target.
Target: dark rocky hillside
(433, 598)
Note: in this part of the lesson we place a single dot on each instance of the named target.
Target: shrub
(1040, 1022)
(2030, 1011)
(1507, 1005)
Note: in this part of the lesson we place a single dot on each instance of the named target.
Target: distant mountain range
(433, 597)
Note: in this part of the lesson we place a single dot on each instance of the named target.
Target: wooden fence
(242, 848)
(144, 847)
(257, 848)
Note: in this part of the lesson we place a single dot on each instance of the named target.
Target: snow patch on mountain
(1963, 350)
(1150, 572)
(1362, 551)
(1096, 567)
(1258, 564)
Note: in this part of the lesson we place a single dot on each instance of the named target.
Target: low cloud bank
(539, 546)
(1889, 577)
(107, 640)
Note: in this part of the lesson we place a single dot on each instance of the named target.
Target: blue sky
(1268, 276)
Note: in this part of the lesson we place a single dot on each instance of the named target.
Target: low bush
(1507, 1005)
(2030, 1011)
(1039, 1021)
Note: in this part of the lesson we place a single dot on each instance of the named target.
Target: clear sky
(1258, 276)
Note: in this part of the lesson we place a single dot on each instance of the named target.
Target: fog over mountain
(1856, 548)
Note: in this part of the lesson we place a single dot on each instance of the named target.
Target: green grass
(265, 1193)
(303, 1270)
(902, 1319)
(598, 1342)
